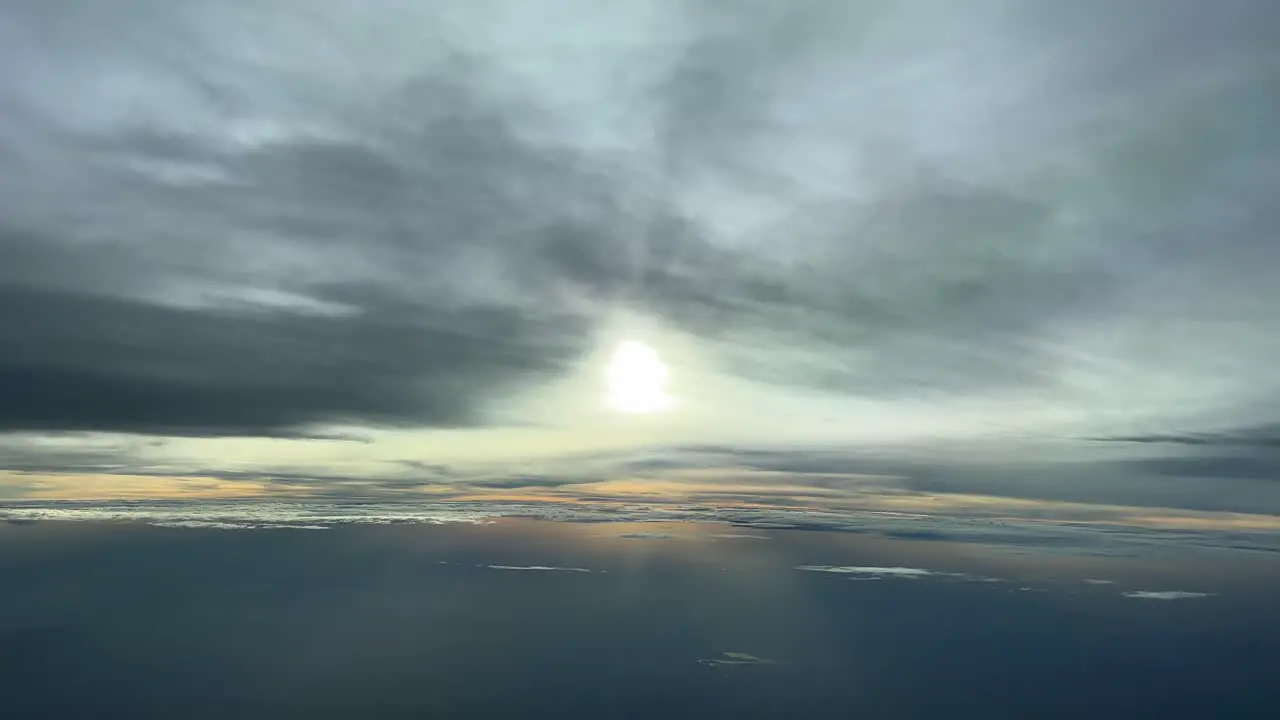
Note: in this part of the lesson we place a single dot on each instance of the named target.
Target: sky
(1017, 258)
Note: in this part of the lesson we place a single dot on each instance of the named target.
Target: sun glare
(637, 379)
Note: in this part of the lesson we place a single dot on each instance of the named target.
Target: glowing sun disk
(637, 379)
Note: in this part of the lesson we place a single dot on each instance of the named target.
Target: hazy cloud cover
(993, 523)
(380, 249)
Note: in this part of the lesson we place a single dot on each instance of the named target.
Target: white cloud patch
(1165, 595)
(898, 573)
(215, 525)
(203, 524)
(538, 567)
(870, 572)
(247, 515)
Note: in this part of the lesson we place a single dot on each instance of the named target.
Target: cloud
(1051, 531)
(174, 371)
(965, 277)
(768, 525)
(1052, 470)
(738, 536)
(734, 658)
(245, 515)
(274, 240)
(329, 276)
(537, 567)
(214, 525)
(339, 230)
(1265, 436)
(896, 573)
(1165, 595)
(520, 482)
(870, 572)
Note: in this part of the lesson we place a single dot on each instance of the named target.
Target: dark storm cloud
(236, 219)
(95, 363)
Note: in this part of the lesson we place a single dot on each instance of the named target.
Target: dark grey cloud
(100, 363)
(252, 219)
(1266, 436)
(305, 281)
(516, 482)
(1073, 473)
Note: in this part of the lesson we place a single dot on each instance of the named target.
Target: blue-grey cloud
(78, 362)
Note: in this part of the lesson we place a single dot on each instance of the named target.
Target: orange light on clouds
(133, 487)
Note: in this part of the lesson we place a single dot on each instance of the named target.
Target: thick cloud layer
(257, 218)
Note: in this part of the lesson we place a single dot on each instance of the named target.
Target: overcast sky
(389, 245)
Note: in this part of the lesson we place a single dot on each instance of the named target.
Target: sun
(637, 379)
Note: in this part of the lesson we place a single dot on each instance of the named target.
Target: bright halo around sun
(637, 379)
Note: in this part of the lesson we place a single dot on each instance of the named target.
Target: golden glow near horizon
(637, 379)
